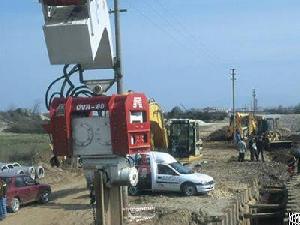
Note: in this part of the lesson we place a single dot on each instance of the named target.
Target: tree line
(195, 114)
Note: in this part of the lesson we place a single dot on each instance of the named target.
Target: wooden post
(109, 204)
(99, 194)
(116, 205)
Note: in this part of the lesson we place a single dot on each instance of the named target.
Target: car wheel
(133, 190)
(15, 205)
(44, 197)
(189, 189)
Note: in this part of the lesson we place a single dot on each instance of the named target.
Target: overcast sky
(176, 51)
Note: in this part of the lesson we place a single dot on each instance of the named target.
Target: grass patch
(24, 148)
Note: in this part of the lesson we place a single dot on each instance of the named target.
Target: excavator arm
(159, 134)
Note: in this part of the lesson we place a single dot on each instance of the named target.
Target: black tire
(44, 197)
(15, 205)
(133, 190)
(189, 189)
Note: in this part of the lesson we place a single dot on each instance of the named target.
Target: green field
(24, 148)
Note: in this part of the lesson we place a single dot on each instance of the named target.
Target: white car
(161, 172)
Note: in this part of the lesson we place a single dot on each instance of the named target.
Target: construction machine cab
(269, 127)
(268, 124)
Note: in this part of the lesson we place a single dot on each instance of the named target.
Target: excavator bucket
(78, 32)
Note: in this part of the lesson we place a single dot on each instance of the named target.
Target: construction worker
(3, 189)
(238, 136)
(242, 150)
(252, 148)
(260, 148)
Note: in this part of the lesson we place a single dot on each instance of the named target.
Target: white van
(161, 172)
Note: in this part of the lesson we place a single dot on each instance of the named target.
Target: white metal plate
(80, 35)
(91, 136)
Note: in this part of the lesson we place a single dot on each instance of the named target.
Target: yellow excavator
(245, 123)
(268, 126)
(178, 137)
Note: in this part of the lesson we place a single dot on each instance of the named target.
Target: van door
(167, 179)
(144, 170)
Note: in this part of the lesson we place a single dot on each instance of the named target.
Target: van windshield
(180, 168)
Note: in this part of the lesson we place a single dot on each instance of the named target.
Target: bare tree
(36, 108)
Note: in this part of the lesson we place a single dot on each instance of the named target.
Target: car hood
(198, 178)
(44, 186)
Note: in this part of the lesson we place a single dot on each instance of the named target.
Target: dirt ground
(70, 200)
(69, 203)
(219, 161)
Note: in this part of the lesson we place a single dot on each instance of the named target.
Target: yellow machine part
(245, 123)
(159, 134)
(252, 124)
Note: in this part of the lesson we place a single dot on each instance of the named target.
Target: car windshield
(180, 168)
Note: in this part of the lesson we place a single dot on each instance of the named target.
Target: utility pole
(118, 61)
(254, 101)
(118, 68)
(233, 79)
(115, 198)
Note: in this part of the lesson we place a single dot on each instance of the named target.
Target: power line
(163, 29)
(180, 32)
(157, 25)
(167, 32)
(187, 32)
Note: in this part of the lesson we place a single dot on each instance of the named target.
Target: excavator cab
(179, 137)
(268, 126)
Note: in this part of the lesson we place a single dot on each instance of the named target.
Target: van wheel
(189, 189)
(15, 205)
(133, 190)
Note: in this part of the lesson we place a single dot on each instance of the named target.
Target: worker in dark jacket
(260, 148)
(252, 146)
(3, 190)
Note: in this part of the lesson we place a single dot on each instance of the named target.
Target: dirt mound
(57, 176)
(218, 135)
